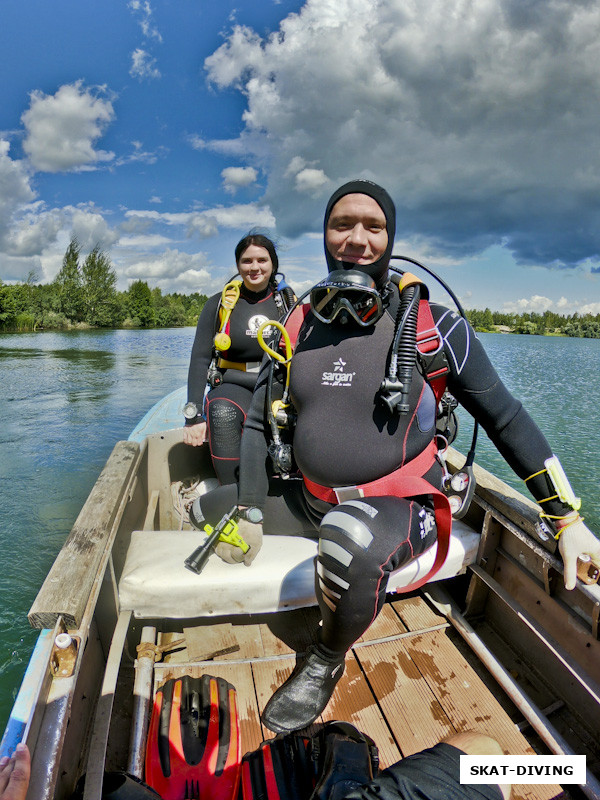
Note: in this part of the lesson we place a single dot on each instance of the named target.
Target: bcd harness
(407, 480)
(222, 340)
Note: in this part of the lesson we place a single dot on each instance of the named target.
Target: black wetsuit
(226, 405)
(345, 436)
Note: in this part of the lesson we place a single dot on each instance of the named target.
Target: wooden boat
(496, 644)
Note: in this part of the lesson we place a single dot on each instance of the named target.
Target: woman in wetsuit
(233, 371)
(370, 488)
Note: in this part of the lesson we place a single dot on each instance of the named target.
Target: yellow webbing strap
(560, 531)
(560, 483)
(223, 363)
(535, 474)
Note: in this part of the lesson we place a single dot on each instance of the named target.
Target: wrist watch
(191, 413)
(252, 514)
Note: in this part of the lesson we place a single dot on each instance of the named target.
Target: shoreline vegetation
(83, 295)
(546, 324)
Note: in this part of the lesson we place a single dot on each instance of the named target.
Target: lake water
(68, 397)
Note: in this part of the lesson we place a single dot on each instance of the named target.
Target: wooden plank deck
(406, 684)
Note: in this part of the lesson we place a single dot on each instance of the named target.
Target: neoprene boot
(299, 701)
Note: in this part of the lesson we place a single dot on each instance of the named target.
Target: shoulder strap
(428, 336)
(431, 351)
(295, 320)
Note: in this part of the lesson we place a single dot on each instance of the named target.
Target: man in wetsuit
(347, 440)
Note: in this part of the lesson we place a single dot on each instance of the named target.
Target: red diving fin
(280, 769)
(327, 766)
(193, 748)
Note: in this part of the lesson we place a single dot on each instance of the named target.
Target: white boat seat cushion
(155, 582)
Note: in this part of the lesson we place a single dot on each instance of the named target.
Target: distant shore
(507, 329)
(580, 331)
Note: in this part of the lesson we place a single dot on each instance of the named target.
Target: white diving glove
(252, 534)
(577, 540)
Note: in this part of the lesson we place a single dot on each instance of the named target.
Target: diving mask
(350, 293)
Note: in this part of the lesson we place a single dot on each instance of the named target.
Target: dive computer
(191, 413)
(252, 514)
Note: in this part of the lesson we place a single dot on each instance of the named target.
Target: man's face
(356, 230)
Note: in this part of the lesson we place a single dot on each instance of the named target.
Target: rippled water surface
(68, 397)
(558, 381)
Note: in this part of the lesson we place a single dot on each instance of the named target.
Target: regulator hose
(395, 388)
(471, 455)
(407, 338)
(290, 297)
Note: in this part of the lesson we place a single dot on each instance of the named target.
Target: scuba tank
(284, 294)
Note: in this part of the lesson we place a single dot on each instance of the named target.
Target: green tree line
(84, 294)
(547, 324)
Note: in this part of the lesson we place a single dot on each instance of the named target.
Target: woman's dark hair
(258, 240)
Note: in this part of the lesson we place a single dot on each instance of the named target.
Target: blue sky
(165, 130)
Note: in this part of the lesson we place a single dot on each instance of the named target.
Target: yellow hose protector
(269, 350)
(278, 405)
(229, 297)
(408, 279)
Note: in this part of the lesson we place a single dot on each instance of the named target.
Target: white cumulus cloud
(15, 189)
(175, 271)
(311, 180)
(62, 129)
(143, 11)
(480, 118)
(33, 231)
(539, 303)
(589, 308)
(235, 178)
(207, 223)
(91, 229)
(143, 63)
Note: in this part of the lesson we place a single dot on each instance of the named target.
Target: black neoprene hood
(378, 269)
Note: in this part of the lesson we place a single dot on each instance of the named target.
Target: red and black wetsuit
(226, 405)
(346, 436)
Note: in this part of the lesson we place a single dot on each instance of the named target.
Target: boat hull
(405, 680)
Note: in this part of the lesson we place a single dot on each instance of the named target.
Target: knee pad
(225, 422)
(344, 539)
(362, 540)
